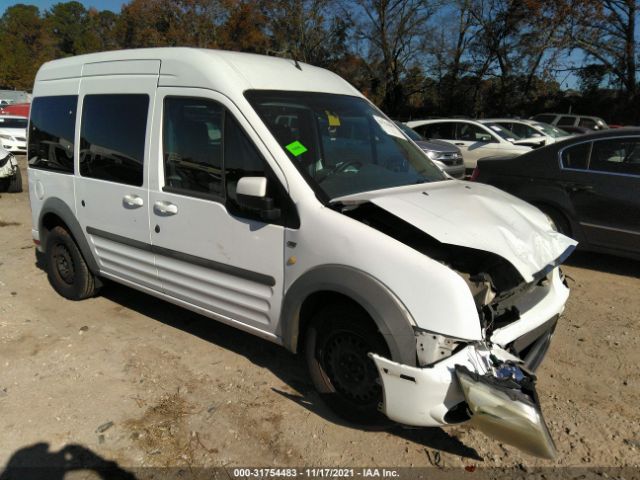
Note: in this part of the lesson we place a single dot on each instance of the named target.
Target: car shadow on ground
(605, 263)
(286, 366)
(37, 462)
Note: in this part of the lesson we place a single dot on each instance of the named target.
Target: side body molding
(61, 209)
(391, 317)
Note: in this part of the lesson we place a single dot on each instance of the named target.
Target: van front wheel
(338, 341)
(67, 271)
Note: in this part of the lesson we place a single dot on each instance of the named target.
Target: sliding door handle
(165, 208)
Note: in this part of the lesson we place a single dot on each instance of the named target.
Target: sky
(113, 5)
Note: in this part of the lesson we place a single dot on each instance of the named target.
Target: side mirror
(251, 194)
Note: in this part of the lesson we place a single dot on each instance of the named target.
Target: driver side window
(206, 152)
(192, 146)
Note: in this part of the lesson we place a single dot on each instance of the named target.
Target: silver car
(444, 154)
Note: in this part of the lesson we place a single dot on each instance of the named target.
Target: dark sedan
(589, 185)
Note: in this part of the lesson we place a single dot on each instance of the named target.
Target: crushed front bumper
(509, 413)
(8, 166)
(504, 408)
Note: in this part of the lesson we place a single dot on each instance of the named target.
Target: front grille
(453, 162)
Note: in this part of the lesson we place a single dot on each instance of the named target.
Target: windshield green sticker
(296, 148)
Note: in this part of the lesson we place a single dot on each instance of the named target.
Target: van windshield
(341, 144)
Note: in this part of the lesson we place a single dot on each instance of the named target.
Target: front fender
(390, 315)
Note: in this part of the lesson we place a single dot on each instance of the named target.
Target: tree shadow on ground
(288, 367)
(37, 462)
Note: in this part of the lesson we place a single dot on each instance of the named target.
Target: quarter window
(51, 133)
(436, 131)
(620, 155)
(113, 137)
(576, 157)
(566, 120)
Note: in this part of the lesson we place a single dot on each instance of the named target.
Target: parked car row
(475, 140)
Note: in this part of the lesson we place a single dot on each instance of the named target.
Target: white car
(13, 133)
(474, 139)
(272, 196)
(524, 128)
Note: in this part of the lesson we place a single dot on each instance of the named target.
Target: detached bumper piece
(504, 405)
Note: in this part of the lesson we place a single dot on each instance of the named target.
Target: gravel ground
(127, 378)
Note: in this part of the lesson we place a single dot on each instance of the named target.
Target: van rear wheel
(67, 271)
(338, 341)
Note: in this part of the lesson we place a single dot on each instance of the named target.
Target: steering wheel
(340, 168)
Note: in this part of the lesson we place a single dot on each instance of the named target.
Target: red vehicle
(21, 109)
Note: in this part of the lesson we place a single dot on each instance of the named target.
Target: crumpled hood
(477, 216)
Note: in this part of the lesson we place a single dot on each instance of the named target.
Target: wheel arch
(56, 212)
(327, 283)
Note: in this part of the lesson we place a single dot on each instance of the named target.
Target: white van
(272, 196)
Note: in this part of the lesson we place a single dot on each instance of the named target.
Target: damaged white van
(272, 196)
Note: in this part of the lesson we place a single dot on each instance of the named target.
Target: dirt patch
(9, 224)
(184, 390)
(162, 432)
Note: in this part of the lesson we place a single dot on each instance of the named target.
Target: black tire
(67, 271)
(336, 346)
(15, 184)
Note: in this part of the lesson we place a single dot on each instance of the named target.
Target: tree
(23, 46)
(160, 23)
(606, 31)
(244, 28)
(307, 30)
(393, 32)
(68, 25)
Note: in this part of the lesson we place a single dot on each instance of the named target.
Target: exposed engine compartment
(495, 284)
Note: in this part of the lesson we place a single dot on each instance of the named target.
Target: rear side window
(51, 133)
(566, 120)
(112, 137)
(619, 155)
(544, 118)
(436, 131)
(576, 157)
(588, 123)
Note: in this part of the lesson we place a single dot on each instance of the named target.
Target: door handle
(459, 143)
(165, 208)
(132, 201)
(577, 187)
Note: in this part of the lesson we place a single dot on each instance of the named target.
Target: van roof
(219, 70)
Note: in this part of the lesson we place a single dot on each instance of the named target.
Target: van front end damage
(490, 382)
(498, 394)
